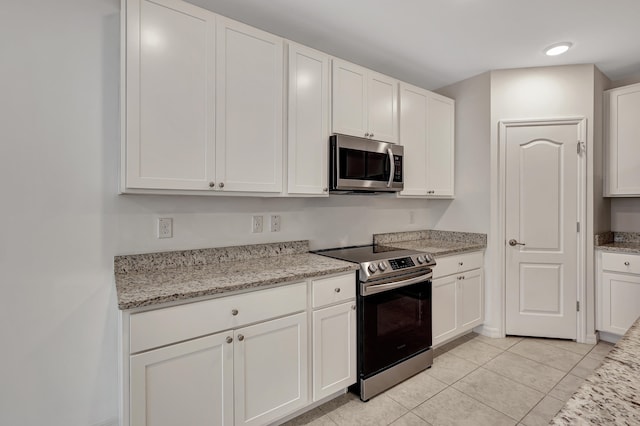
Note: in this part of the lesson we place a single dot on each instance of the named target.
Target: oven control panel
(401, 263)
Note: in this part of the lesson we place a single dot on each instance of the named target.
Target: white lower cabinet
(334, 334)
(270, 369)
(618, 292)
(188, 383)
(243, 359)
(457, 296)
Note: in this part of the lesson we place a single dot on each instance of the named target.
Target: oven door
(393, 325)
(359, 164)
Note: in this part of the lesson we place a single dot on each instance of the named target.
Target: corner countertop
(610, 394)
(438, 243)
(618, 242)
(155, 278)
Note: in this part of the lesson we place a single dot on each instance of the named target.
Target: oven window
(363, 165)
(394, 325)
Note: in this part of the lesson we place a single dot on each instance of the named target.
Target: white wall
(63, 222)
(470, 210)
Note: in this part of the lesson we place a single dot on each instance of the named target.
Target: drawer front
(333, 289)
(178, 323)
(619, 262)
(457, 263)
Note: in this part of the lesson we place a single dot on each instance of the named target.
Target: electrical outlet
(165, 227)
(275, 223)
(256, 224)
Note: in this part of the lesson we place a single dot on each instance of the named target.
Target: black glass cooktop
(367, 253)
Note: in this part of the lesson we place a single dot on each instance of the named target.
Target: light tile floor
(475, 380)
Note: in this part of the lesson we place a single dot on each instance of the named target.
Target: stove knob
(372, 268)
(421, 259)
(382, 266)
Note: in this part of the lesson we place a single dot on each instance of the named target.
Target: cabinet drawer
(333, 289)
(178, 323)
(619, 262)
(457, 263)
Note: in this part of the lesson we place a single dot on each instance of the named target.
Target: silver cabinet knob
(240, 337)
(626, 263)
(353, 307)
(229, 339)
(513, 242)
(325, 189)
(337, 290)
(212, 184)
(221, 184)
(371, 135)
(366, 135)
(234, 312)
(460, 263)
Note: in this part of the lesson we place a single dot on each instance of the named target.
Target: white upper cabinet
(203, 102)
(427, 134)
(249, 116)
(308, 121)
(365, 103)
(622, 133)
(169, 102)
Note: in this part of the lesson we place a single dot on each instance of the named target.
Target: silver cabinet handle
(212, 184)
(392, 163)
(513, 242)
(229, 339)
(626, 263)
(325, 189)
(337, 290)
(240, 337)
(234, 312)
(221, 184)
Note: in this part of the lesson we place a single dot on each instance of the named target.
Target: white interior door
(541, 203)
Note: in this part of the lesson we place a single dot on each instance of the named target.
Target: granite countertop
(618, 242)
(610, 394)
(155, 278)
(438, 243)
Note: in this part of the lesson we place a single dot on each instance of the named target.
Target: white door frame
(582, 210)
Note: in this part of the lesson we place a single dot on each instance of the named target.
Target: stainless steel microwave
(364, 165)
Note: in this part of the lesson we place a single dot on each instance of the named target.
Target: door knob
(513, 242)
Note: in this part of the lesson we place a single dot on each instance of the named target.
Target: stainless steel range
(394, 314)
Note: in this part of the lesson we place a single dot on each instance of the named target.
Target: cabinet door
(349, 99)
(622, 109)
(440, 146)
(270, 369)
(413, 137)
(620, 304)
(334, 349)
(471, 299)
(382, 101)
(250, 103)
(170, 98)
(445, 308)
(308, 123)
(187, 383)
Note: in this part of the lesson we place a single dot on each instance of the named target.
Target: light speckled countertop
(438, 243)
(611, 395)
(618, 242)
(155, 278)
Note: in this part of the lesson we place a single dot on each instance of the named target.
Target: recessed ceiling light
(557, 49)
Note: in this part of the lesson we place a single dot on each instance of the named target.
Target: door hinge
(578, 306)
(577, 226)
(580, 148)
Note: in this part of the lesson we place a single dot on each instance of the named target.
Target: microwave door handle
(392, 163)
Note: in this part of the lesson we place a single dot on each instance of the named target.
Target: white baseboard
(592, 339)
(111, 422)
(489, 331)
(609, 337)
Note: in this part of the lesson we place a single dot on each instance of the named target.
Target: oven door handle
(392, 163)
(368, 290)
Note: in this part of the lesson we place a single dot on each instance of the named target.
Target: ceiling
(433, 43)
